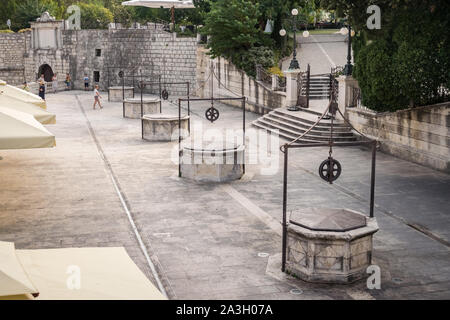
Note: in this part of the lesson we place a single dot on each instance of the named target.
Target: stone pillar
(291, 87)
(274, 82)
(346, 85)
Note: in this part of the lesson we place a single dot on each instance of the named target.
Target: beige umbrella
(83, 274)
(22, 95)
(13, 278)
(38, 113)
(19, 130)
(171, 4)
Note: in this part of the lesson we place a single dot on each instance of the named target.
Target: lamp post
(294, 62)
(348, 70)
(294, 66)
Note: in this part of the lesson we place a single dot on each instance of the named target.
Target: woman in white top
(97, 97)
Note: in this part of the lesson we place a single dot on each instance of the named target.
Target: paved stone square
(104, 186)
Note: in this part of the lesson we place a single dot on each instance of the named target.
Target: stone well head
(212, 161)
(329, 245)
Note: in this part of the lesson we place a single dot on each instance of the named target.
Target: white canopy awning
(72, 274)
(22, 95)
(19, 130)
(38, 113)
(177, 4)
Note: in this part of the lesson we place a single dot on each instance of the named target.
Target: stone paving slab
(204, 243)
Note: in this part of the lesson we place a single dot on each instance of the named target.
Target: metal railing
(263, 76)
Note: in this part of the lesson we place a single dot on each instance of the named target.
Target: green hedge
(406, 63)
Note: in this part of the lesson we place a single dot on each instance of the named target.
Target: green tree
(406, 62)
(94, 16)
(27, 11)
(234, 29)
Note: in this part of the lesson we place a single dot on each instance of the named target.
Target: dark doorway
(96, 76)
(47, 71)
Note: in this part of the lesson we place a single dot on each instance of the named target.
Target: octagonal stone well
(212, 162)
(329, 245)
(132, 107)
(164, 127)
(117, 94)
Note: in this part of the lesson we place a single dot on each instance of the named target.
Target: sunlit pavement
(210, 241)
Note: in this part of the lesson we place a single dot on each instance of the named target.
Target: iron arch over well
(47, 71)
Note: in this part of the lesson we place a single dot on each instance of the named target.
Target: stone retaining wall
(12, 48)
(421, 135)
(229, 81)
(147, 51)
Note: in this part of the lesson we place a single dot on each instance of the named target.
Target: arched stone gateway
(47, 71)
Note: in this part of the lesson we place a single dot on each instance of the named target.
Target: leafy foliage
(94, 16)
(406, 63)
(232, 26)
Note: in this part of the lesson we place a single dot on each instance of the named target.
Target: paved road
(206, 240)
(322, 52)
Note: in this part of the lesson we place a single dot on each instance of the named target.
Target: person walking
(97, 97)
(86, 83)
(42, 88)
(67, 81)
(55, 83)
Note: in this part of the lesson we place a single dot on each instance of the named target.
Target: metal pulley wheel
(212, 114)
(330, 167)
(165, 94)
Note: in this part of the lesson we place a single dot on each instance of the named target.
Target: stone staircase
(319, 87)
(291, 125)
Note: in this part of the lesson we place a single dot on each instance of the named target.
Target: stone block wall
(137, 52)
(420, 135)
(229, 81)
(148, 52)
(12, 50)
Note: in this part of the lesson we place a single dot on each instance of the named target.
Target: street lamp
(348, 70)
(294, 62)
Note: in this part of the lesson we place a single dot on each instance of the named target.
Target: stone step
(296, 133)
(286, 136)
(303, 126)
(319, 97)
(308, 116)
(299, 130)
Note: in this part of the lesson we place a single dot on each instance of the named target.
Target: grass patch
(323, 31)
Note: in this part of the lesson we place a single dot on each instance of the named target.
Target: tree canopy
(407, 61)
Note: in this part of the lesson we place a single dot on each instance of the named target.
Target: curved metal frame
(188, 100)
(285, 149)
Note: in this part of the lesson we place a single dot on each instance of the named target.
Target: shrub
(248, 60)
(94, 16)
(407, 62)
(6, 31)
